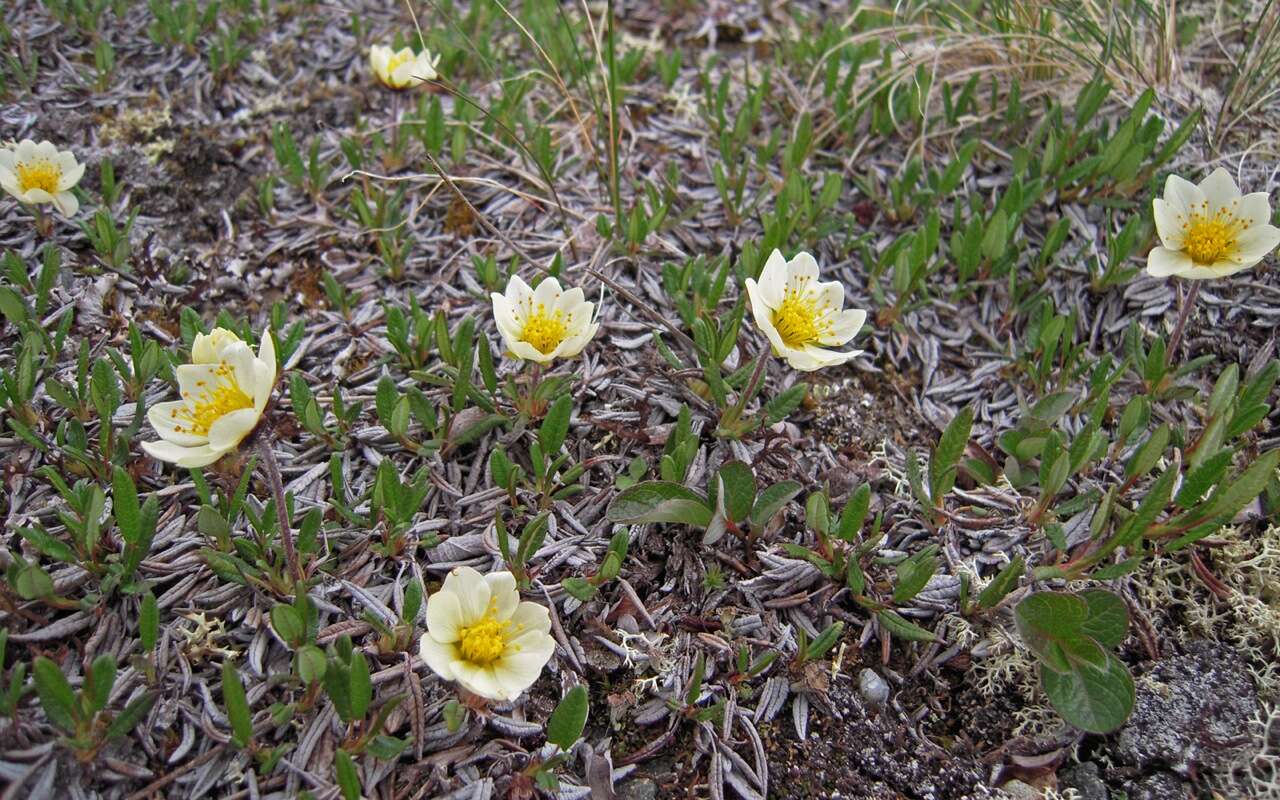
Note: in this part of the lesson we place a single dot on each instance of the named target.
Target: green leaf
(361, 686)
(568, 720)
(659, 501)
(148, 622)
(914, 574)
(288, 623)
(899, 627)
(1108, 620)
(1003, 583)
(1199, 480)
(1094, 700)
(555, 426)
(56, 697)
(771, 500)
(1235, 494)
(124, 504)
(787, 401)
(738, 484)
(237, 703)
(348, 779)
(1146, 456)
(312, 663)
(1046, 620)
(131, 716)
(946, 457)
(98, 680)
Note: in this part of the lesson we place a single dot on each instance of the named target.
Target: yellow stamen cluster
(212, 403)
(484, 642)
(799, 319)
(397, 59)
(544, 331)
(40, 174)
(1208, 239)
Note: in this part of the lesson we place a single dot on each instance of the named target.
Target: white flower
(481, 635)
(1210, 231)
(224, 391)
(545, 323)
(799, 313)
(402, 69)
(41, 173)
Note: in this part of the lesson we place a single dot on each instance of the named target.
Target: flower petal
(227, 430)
(1163, 262)
(167, 417)
(1182, 195)
(844, 327)
(1169, 223)
(444, 616)
(66, 203)
(196, 379)
(190, 457)
(480, 680)
(548, 294)
(1219, 189)
(503, 594)
(439, 656)
(471, 590)
(531, 617)
(1254, 244)
(71, 171)
(1255, 209)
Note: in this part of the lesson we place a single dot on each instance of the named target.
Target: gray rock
(1160, 785)
(1086, 779)
(1189, 713)
(874, 689)
(638, 789)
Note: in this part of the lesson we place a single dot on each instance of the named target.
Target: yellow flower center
(39, 175)
(1209, 239)
(212, 403)
(484, 642)
(799, 320)
(544, 331)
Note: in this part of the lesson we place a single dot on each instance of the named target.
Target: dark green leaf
(237, 703)
(569, 718)
(659, 501)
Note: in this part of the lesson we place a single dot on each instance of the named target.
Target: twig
(151, 788)
(282, 512)
(1185, 305)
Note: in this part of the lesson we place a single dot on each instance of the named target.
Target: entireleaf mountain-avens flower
(480, 634)
(402, 69)
(224, 392)
(546, 323)
(801, 315)
(1210, 230)
(41, 173)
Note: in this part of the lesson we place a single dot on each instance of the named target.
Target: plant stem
(282, 511)
(748, 391)
(1185, 304)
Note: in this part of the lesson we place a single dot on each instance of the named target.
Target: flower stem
(282, 511)
(44, 222)
(748, 391)
(1185, 304)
